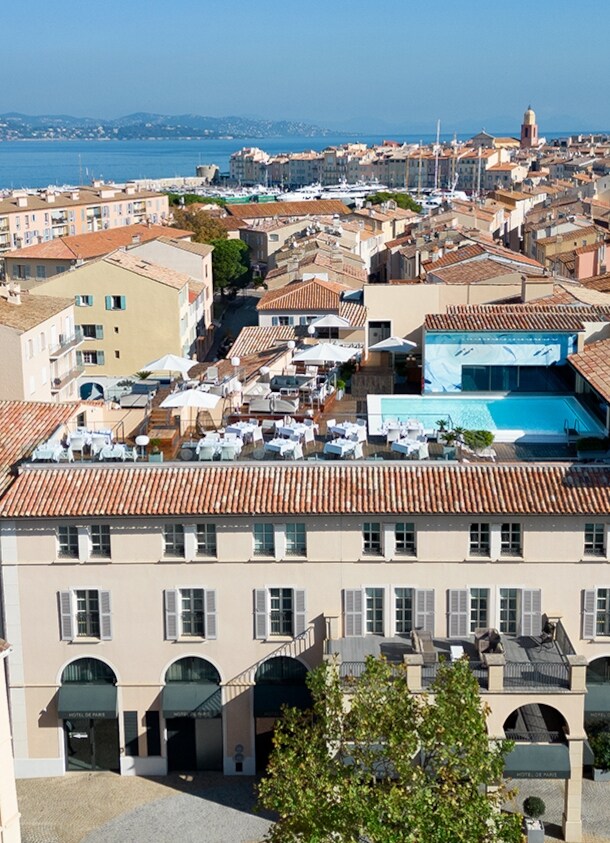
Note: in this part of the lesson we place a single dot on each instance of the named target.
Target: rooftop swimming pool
(511, 418)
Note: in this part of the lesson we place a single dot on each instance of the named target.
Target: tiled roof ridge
(152, 491)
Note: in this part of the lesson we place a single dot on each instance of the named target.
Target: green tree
(397, 768)
(205, 227)
(403, 200)
(179, 199)
(230, 263)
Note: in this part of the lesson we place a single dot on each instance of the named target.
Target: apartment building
(29, 218)
(36, 263)
(248, 166)
(129, 311)
(247, 575)
(39, 347)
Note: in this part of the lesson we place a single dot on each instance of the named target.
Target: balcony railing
(65, 344)
(542, 736)
(57, 384)
(536, 675)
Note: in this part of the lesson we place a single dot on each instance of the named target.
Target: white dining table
(216, 441)
(281, 446)
(341, 447)
(245, 430)
(349, 430)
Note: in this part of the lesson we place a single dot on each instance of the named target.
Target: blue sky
(346, 64)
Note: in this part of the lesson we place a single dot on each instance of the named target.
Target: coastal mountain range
(146, 126)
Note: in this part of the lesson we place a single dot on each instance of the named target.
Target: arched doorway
(192, 707)
(279, 681)
(541, 747)
(87, 705)
(597, 701)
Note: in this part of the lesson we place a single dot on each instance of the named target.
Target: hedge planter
(600, 775)
(534, 830)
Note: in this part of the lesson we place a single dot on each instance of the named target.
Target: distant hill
(144, 126)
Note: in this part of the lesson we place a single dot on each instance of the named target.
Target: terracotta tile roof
(24, 425)
(247, 489)
(592, 247)
(464, 253)
(568, 237)
(474, 272)
(253, 339)
(152, 271)
(96, 244)
(354, 313)
(313, 294)
(86, 196)
(598, 282)
(31, 312)
(593, 363)
(312, 207)
(203, 249)
(517, 317)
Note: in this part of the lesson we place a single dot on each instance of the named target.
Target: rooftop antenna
(437, 148)
(419, 166)
(80, 169)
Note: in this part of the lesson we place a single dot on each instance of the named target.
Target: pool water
(508, 417)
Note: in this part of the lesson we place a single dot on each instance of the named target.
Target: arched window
(88, 671)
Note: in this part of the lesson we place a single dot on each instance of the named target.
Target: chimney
(11, 293)
(74, 195)
(136, 240)
(49, 196)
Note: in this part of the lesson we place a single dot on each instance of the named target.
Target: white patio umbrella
(191, 398)
(324, 353)
(397, 345)
(170, 363)
(330, 320)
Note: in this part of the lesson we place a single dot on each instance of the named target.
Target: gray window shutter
(458, 605)
(531, 611)
(260, 614)
(588, 613)
(123, 303)
(78, 301)
(79, 358)
(108, 302)
(130, 725)
(101, 358)
(171, 614)
(299, 611)
(99, 332)
(353, 623)
(210, 614)
(424, 609)
(66, 618)
(105, 616)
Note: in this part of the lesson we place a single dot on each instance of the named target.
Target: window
(479, 608)
(89, 332)
(371, 538)
(173, 537)
(84, 301)
(117, 354)
(511, 540)
(403, 606)
(68, 542)
(405, 538)
(30, 349)
(279, 611)
(264, 542)
(92, 358)
(479, 539)
(100, 540)
(189, 613)
(509, 610)
(192, 612)
(374, 610)
(602, 614)
(87, 613)
(296, 543)
(41, 272)
(43, 341)
(595, 544)
(206, 539)
(115, 303)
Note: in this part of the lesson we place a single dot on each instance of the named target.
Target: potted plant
(600, 744)
(534, 808)
(155, 454)
(449, 439)
(478, 440)
(340, 389)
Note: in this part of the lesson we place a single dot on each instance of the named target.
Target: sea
(28, 164)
